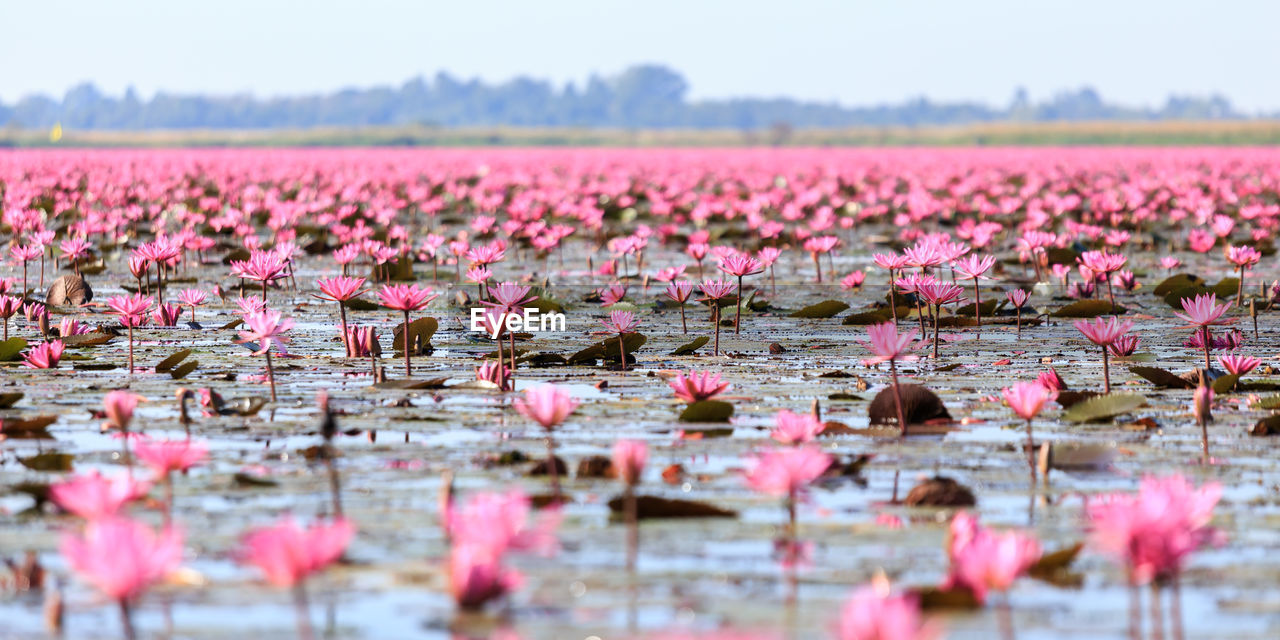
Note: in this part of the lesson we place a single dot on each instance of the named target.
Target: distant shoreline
(1159, 133)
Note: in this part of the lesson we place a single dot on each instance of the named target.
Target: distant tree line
(645, 96)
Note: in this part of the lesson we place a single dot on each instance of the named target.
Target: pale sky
(1133, 51)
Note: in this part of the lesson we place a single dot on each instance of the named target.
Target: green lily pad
(690, 347)
(52, 461)
(91, 339)
(707, 411)
(420, 332)
(360, 304)
(172, 361)
(608, 349)
(824, 309)
(1178, 281)
(1269, 402)
(1161, 378)
(1224, 384)
(183, 370)
(878, 316)
(9, 399)
(1103, 407)
(1088, 309)
(9, 349)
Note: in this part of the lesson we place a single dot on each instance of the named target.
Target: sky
(1135, 52)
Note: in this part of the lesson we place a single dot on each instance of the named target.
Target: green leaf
(878, 316)
(1103, 407)
(184, 369)
(1269, 402)
(1161, 378)
(360, 304)
(690, 347)
(420, 332)
(91, 339)
(707, 411)
(651, 507)
(172, 361)
(48, 462)
(1174, 299)
(9, 349)
(988, 308)
(824, 309)
(608, 349)
(1178, 281)
(1088, 309)
(1225, 383)
(1226, 288)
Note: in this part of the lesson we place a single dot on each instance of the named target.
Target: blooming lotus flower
(795, 428)
(786, 471)
(95, 497)
(287, 553)
(696, 387)
(983, 560)
(495, 372)
(122, 558)
(406, 298)
(1154, 532)
(546, 404)
(476, 576)
(853, 280)
(1204, 312)
(499, 522)
(265, 328)
(629, 458)
(168, 456)
(873, 613)
(680, 292)
(1124, 346)
(1104, 332)
(1244, 258)
(1238, 365)
(45, 356)
(1026, 399)
(1051, 380)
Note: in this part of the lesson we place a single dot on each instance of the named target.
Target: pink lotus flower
(168, 456)
(853, 280)
(786, 471)
(166, 315)
(1051, 380)
(265, 327)
(1204, 312)
(629, 458)
(340, 289)
(1155, 531)
(1124, 346)
(621, 322)
(1026, 399)
(983, 560)
(94, 497)
(119, 406)
(696, 387)
(287, 554)
(1169, 263)
(679, 292)
(44, 356)
(476, 576)
(873, 613)
(406, 297)
(888, 345)
(122, 558)
(546, 404)
(499, 522)
(795, 428)
(1238, 365)
(495, 372)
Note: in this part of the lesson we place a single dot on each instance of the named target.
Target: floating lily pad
(52, 461)
(878, 316)
(824, 309)
(919, 404)
(166, 365)
(183, 370)
(1103, 407)
(937, 598)
(9, 399)
(1161, 378)
(707, 411)
(691, 346)
(1088, 309)
(653, 508)
(91, 339)
(360, 304)
(11, 348)
(1177, 281)
(608, 349)
(420, 332)
(1225, 383)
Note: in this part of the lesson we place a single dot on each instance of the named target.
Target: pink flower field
(875, 394)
